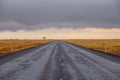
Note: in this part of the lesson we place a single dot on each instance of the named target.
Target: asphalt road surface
(59, 61)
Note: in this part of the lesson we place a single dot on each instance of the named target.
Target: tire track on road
(96, 71)
(36, 70)
(22, 66)
(68, 59)
(102, 62)
(47, 71)
(61, 67)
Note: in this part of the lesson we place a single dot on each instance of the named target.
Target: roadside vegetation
(9, 46)
(107, 46)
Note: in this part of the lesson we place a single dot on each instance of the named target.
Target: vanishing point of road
(59, 61)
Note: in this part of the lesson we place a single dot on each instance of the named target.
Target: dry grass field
(108, 46)
(8, 46)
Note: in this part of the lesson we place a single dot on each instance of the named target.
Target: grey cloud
(38, 14)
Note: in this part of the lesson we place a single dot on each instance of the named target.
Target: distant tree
(44, 38)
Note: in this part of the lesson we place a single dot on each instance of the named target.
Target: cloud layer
(38, 14)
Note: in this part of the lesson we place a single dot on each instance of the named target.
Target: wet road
(59, 61)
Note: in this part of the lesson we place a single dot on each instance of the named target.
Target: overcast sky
(39, 14)
(70, 18)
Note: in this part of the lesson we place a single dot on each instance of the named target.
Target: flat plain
(106, 45)
(9, 46)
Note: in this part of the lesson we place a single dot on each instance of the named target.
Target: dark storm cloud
(118, 6)
(35, 14)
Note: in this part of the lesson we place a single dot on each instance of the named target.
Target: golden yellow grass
(8, 46)
(112, 46)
